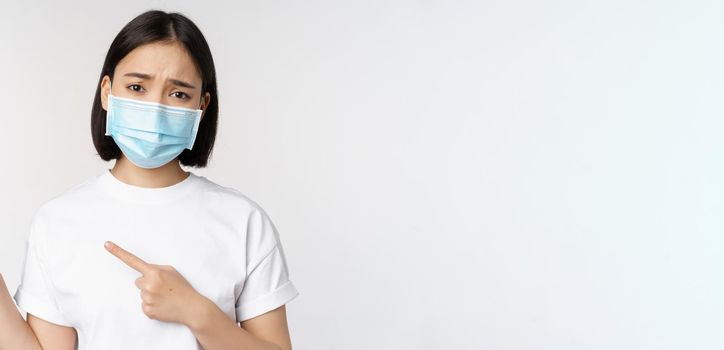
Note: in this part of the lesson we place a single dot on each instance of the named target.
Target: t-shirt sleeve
(33, 295)
(267, 285)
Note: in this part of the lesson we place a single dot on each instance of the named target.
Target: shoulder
(61, 206)
(230, 197)
(67, 200)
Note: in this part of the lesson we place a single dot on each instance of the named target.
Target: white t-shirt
(221, 241)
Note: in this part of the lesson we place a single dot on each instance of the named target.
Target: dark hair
(158, 26)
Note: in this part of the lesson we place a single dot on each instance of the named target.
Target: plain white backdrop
(443, 174)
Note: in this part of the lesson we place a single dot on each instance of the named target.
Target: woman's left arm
(215, 330)
(168, 296)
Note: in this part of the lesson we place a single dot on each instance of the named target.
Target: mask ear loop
(108, 112)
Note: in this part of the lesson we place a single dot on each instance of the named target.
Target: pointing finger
(131, 260)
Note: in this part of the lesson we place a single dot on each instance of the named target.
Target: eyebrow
(181, 83)
(176, 82)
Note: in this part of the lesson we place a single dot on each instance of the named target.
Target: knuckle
(152, 287)
(147, 298)
(152, 274)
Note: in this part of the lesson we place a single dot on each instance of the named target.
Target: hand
(167, 296)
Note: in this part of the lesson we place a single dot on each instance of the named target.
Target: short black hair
(159, 26)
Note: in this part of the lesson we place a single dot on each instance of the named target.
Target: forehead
(162, 60)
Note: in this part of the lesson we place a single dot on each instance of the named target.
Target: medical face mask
(150, 134)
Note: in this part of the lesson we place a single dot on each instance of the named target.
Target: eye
(180, 94)
(135, 87)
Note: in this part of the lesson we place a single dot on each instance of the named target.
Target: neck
(163, 176)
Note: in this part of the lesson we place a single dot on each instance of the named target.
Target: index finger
(131, 260)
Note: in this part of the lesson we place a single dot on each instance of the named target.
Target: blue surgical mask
(151, 134)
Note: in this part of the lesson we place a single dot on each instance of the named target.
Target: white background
(443, 174)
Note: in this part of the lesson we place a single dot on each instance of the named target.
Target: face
(157, 72)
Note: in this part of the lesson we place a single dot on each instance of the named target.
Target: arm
(35, 334)
(214, 330)
(167, 296)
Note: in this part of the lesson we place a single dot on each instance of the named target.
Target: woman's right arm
(35, 334)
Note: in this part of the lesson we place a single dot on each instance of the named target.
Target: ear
(205, 104)
(105, 90)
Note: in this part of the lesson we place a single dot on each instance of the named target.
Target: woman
(146, 255)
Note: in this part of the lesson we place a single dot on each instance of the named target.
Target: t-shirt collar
(146, 195)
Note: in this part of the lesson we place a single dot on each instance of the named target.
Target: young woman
(146, 255)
